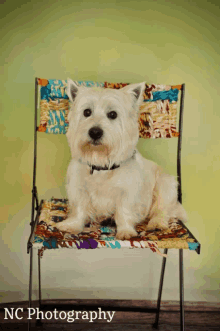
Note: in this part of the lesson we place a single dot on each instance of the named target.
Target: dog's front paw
(125, 233)
(156, 223)
(70, 225)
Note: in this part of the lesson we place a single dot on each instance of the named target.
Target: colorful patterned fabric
(158, 111)
(54, 104)
(101, 234)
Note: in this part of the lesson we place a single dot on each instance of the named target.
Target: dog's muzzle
(95, 133)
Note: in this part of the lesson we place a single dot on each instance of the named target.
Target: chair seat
(101, 234)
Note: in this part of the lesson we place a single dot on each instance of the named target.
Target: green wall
(166, 42)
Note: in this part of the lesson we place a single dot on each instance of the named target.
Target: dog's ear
(137, 92)
(72, 89)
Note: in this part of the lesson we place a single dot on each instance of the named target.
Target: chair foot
(155, 326)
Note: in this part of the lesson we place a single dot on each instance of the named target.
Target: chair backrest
(158, 112)
(157, 119)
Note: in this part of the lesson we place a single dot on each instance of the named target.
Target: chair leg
(39, 280)
(39, 321)
(155, 325)
(30, 284)
(182, 322)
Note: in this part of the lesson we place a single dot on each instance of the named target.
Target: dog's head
(103, 123)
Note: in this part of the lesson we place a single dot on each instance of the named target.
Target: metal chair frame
(36, 207)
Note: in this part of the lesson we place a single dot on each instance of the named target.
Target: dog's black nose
(95, 133)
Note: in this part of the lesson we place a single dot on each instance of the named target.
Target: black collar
(94, 167)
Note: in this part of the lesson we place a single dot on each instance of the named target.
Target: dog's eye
(87, 112)
(112, 115)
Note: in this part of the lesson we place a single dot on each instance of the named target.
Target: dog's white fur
(137, 189)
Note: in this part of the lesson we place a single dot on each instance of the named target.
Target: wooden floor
(200, 316)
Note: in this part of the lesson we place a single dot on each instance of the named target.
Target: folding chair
(158, 117)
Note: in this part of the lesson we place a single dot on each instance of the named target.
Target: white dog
(107, 176)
